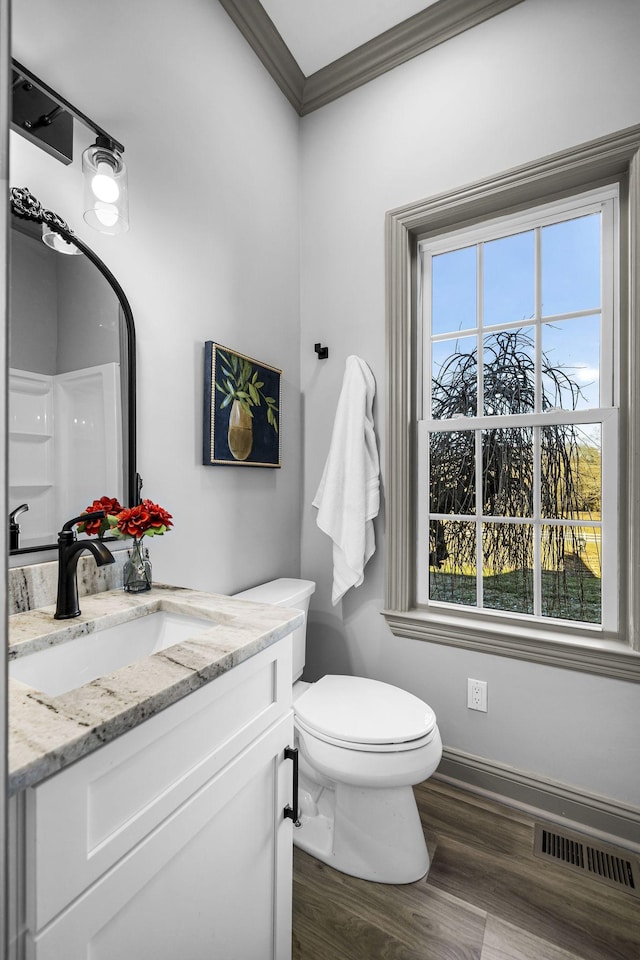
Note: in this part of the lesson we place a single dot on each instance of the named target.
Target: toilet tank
(286, 593)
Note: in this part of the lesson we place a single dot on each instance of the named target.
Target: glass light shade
(104, 186)
(58, 243)
(106, 201)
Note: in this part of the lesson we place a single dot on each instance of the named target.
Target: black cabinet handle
(291, 813)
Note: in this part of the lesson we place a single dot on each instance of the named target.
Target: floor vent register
(610, 865)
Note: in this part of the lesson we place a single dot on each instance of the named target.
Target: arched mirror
(72, 436)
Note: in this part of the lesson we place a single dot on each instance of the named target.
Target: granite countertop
(47, 733)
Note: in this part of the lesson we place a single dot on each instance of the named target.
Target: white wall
(212, 253)
(4, 540)
(539, 78)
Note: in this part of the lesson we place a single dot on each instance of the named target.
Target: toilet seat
(356, 713)
(367, 747)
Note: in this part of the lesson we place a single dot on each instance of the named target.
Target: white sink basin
(66, 666)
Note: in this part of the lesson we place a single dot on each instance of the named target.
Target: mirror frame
(25, 206)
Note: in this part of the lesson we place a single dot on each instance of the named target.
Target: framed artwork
(241, 410)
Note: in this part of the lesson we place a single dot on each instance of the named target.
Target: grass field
(570, 591)
(566, 595)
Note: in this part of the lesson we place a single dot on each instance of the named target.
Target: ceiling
(318, 50)
(317, 32)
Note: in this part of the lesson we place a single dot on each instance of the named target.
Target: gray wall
(536, 79)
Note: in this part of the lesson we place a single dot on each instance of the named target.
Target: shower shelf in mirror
(31, 485)
(55, 419)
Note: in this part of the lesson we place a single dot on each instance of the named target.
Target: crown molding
(258, 30)
(439, 22)
(408, 39)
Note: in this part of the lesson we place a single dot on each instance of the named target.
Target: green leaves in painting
(239, 380)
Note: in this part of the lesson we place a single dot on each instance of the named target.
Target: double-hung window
(518, 432)
(512, 468)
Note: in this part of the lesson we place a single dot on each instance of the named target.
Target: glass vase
(137, 569)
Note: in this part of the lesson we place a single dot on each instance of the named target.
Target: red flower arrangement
(147, 519)
(110, 505)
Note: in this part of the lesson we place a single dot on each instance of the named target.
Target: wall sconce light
(46, 119)
(106, 200)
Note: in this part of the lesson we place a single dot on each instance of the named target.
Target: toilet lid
(359, 710)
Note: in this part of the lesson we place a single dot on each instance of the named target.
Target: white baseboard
(602, 817)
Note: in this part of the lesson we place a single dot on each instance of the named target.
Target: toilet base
(371, 833)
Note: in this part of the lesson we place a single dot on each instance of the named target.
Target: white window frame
(603, 201)
(615, 653)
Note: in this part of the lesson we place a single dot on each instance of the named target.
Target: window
(519, 333)
(512, 468)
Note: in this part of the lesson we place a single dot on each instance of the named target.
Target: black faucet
(14, 526)
(69, 550)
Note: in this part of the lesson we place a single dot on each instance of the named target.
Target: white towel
(348, 497)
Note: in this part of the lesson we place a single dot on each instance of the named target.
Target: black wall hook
(323, 352)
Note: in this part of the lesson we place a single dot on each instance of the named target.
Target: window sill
(606, 658)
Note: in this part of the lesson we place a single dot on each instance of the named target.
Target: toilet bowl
(362, 746)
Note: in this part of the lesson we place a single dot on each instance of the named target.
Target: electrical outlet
(477, 695)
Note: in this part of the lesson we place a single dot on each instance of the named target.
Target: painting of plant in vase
(241, 410)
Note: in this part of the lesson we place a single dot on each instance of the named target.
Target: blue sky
(570, 283)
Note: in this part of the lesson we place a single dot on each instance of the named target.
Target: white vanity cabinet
(171, 841)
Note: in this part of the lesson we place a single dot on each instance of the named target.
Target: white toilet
(362, 745)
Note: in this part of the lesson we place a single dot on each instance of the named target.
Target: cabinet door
(82, 822)
(211, 882)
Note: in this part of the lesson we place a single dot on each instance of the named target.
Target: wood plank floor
(485, 898)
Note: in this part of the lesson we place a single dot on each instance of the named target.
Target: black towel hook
(323, 352)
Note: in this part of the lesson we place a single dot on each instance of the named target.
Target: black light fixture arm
(47, 119)
(64, 105)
